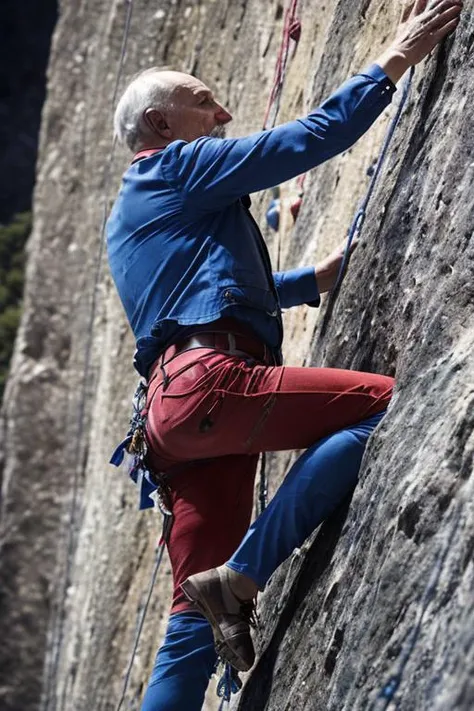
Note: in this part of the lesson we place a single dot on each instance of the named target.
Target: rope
(263, 486)
(291, 31)
(361, 214)
(390, 688)
(291, 34)
(229, 683)
(224, 687)
(359, 218)
(70, 542)
(159, 558)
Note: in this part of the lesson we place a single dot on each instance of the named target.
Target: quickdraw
(229, 682)
(153, 487)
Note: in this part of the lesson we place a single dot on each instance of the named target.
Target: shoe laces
(248, 613)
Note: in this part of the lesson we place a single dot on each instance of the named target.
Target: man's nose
(221, 115)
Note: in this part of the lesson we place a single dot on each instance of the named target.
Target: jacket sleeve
(211, 173)
(296, 287)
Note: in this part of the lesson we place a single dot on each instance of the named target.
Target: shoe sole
(222, 648)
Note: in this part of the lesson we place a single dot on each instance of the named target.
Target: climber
(195, 279)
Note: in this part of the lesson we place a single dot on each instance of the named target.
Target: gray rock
(384, 590)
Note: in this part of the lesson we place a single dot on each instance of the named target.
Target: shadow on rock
(258, 688)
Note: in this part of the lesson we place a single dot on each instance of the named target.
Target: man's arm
(296, 287)
(212, 173)
(304, 285)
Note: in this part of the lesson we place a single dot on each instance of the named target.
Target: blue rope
(228, 684)
(159, 558)
(361, 213)
(224, 687)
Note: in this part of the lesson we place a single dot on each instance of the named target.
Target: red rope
(301, 181)
(291, 32)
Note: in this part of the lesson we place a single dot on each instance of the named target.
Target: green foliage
(12, 260)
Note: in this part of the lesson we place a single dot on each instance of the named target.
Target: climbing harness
(152, 486)
(132, 451)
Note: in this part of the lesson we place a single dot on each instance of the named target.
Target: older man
(194, 276)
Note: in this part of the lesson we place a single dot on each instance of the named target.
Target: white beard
(218, 131)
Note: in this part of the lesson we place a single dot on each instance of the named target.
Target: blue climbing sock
(183, 666)
(317, 482)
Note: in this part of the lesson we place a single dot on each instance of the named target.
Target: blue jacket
(183, 247)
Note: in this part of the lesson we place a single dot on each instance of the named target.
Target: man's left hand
(328, 270)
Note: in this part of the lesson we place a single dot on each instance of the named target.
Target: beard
(218, 131)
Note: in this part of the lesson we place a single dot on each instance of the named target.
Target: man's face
(194, 111)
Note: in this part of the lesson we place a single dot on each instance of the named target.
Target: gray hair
(144, 91)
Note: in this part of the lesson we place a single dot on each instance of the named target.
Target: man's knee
(382, 391)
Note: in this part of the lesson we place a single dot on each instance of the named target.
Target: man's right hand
(419, 33)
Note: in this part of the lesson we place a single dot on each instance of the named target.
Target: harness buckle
(232, 343)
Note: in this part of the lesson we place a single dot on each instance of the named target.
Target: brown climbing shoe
(230, 617)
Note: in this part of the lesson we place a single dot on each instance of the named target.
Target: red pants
(211, 421)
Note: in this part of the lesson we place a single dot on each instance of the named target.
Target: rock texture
(380, 600)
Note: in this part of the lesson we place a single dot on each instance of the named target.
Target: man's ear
(156, 122)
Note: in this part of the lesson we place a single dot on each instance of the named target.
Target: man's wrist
(394, 63)
(324, 278)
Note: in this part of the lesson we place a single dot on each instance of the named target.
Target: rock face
(376, 611)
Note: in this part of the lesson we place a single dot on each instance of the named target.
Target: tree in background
(12, 261)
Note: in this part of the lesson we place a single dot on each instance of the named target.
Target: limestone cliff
(380, 601)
